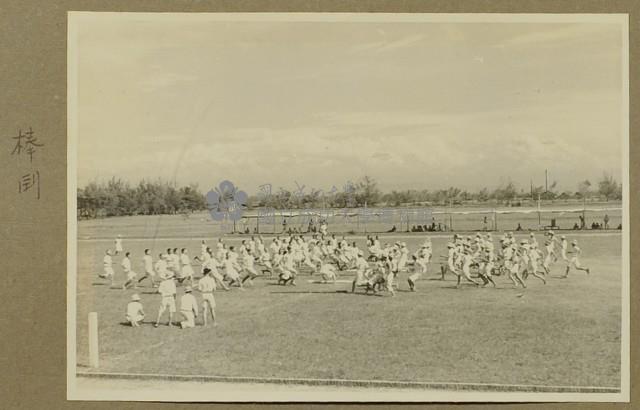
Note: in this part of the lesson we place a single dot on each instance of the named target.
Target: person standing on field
(167, 290)
(206, 286)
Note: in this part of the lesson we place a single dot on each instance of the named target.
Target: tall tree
(584, 189)
(608, 187)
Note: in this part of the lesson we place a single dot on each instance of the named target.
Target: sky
(420, 105)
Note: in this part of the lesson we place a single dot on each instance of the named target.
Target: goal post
(94, 357)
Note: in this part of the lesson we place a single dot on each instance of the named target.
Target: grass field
(565, 333)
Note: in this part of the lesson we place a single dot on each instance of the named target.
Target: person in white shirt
(450, 257)
(171, 261)
(265, 260)
(283, 263)
(404, 257)
(328, 272)
(512, 263)
(203, 249)
(248, 267)
(186, 270)
(362, 269)
(316, 256)
(107, 263)
(175, 263)
(534, 262)
(212, 264)
(486, 273)
(126, 267)
(528, 261)
(421, 260)
(563, 248)
(167, 290)
(467, 260)
(388, 266)
(221, 251)
(323, 228)
(188, 308)
(206, 286)
(149, 272)
(118, 242)
(550, 252)
(575, 259)
(135, 311)
(231, 271)
(160, 266)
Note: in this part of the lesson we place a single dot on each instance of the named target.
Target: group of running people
(285, 258)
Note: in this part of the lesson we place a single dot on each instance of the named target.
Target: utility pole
(531, 185)
(539, 218)
(546, 181)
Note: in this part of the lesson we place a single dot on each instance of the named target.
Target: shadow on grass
(309, 291)
(343, 292)
(142, 324)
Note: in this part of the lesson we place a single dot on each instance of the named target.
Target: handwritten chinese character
(28, 145)
(28, 181)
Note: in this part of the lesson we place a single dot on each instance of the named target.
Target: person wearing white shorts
(212, 264)
(149, 272)
(467, 259)
(167, 290)
(487, 274)
(563, 248)
(206, 286)
(130, 274)
(118, 242)
(362, 268)
(186, 271)
(575, 259)
(135, 312)
(419, 267)
(249, 267)
(514, 267)
(328, 273)
(231, 271)
(188, 309)
(107, 264)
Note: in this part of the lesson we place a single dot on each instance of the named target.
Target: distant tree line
(366, 191)
(118, 198)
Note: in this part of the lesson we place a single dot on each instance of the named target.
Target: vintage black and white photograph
(348, 207)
